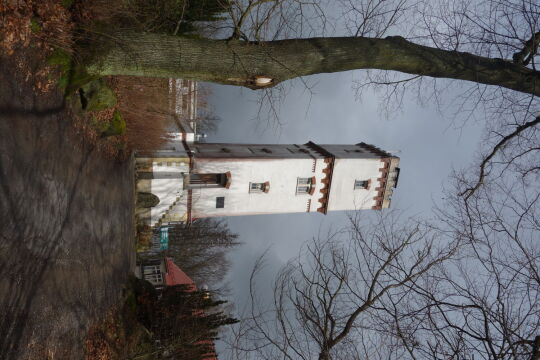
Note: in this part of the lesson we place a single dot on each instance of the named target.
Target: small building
(164, 272)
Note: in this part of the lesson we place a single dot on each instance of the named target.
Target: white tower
(195, 180)
(248, 179)
(186, 179)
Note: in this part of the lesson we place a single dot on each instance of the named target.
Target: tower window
(361, 184)
(220, 202)
(257, 187)
(305, 185)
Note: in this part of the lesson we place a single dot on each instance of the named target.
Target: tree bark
(250, 64)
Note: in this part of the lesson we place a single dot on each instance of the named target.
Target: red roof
(175, 276)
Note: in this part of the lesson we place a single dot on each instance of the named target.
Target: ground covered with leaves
(40, 25)
(118, 335)
(41, 36)
(66, 202)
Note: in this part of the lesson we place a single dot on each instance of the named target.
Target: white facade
(280, 174)
(335, 172)
(162, 174)
(343, 196)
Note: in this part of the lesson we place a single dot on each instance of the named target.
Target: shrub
(147, 200)
(144, 104)
(96, 95)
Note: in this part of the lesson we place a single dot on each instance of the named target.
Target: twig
(471, 190)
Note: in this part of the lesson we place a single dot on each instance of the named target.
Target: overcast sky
(429, 148)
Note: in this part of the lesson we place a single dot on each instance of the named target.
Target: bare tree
(466, 286)
(497, 29)
(324, 302)
(484, 303)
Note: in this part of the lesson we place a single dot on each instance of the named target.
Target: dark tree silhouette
(200, 249)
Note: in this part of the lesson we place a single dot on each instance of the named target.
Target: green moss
(117, 125)
(79, 77)
(35, 25)
(60, 57)
(73, 75)
(96, 95)
(67, 3)
(98, 126)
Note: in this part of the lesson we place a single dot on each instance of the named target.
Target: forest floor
(66, 210)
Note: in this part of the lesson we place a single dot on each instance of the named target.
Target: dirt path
(66, 243)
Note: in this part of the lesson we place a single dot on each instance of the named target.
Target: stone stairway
(166, 213)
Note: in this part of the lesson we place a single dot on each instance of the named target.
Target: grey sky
(430, 147)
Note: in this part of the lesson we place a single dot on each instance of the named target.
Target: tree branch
(471, 190)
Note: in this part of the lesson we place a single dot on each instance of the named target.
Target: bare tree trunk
(324, 355)
(264, 64)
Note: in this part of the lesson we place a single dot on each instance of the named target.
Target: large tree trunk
(248, 64)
